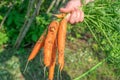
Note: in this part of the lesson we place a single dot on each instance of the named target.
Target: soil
(79, 58)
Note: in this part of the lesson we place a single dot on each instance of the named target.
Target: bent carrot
(61, 42)
(53, 61)
(39, 44)
(50, 38)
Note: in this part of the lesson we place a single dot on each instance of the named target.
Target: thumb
(68, 16)
(65, 10)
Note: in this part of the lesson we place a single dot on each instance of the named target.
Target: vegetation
(92, 49)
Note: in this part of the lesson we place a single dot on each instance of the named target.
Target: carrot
(39, 44)
(61, 42)
(50, 38)
(53, 61)
(61, 15)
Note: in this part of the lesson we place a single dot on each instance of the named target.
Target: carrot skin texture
(49, 42)
(39, 44)
(61, 42)
(53, 62)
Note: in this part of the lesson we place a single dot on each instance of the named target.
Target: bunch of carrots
(52, 40)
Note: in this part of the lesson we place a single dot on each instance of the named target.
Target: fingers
(65, 10)
(68, 17)
(76, 16)
(81, 16)
(71, 5)
(73, 17)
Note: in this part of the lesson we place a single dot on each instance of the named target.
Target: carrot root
(49, 42)
(39, 44)
(53, 61)
(61, 42)
(26, 67)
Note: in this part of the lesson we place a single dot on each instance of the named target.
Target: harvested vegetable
(39, 44)
(53, 61)
(56, 36)
(61, 42)
(49, 42)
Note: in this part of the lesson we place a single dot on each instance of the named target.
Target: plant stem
(90, 70)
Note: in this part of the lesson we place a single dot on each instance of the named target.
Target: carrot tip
(26, 66)
(44, 71)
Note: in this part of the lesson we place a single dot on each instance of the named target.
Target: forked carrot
(53, 61)
(49, 42)
(61, 42)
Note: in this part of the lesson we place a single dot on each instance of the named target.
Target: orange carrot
(61, 15)
(53, 61)
(39, 44)
(61, 42)
(50, 38)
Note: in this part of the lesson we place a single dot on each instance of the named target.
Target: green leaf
(1, 17)
(34, 37)
(78, 35)
(3, 38)
(9, 21)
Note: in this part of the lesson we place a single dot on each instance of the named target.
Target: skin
(76, 14)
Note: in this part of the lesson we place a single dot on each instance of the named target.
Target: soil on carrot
(79, 58)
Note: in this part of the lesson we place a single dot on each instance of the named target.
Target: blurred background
(92, 49)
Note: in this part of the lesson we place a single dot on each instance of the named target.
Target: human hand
(72, 7)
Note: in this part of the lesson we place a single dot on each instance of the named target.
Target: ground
(79, 58)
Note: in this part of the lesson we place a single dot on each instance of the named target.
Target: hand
(72, 7)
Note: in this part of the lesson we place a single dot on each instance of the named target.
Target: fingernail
(68, 16)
